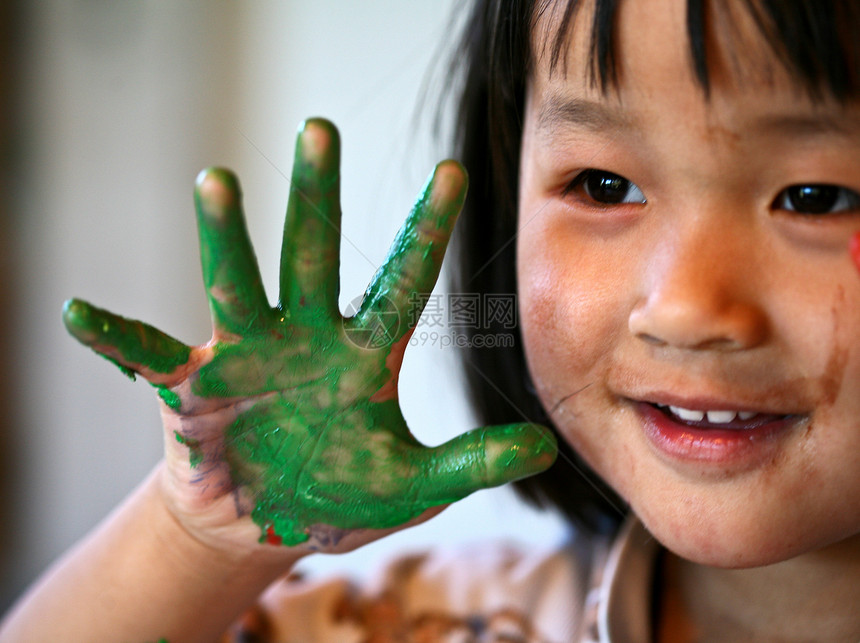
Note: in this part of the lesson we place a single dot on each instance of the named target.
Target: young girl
(673, 191)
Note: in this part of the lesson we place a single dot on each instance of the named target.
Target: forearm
(139, 577)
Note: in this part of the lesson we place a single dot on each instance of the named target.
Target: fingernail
(318, 143)
(216, 193)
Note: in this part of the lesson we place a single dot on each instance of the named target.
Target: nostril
(698, 323)
(693, 343)
(650, 339)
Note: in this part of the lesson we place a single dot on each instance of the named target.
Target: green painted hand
(290, 413)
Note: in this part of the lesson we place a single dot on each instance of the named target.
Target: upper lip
(751, 389)
(704, 402)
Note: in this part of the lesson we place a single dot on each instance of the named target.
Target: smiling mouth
(719, 419)
(730, 439)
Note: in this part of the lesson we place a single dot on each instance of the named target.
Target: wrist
(174, 584)
(142, 576)
(212, 553)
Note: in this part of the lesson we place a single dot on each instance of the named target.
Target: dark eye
(605, 188)
(817, 199)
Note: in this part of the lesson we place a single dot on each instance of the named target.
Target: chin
(739, 539)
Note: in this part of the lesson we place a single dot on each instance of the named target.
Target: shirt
(589, 590)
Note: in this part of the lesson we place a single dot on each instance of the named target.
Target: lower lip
(735, 448)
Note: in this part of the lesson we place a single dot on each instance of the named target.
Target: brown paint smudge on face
(826, 391)
(830, 383)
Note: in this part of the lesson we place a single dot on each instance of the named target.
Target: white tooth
(720, 417)
(687, 414)
(746, 415)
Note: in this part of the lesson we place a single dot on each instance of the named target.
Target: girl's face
(690, 310)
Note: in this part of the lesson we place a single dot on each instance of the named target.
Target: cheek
(839, 378)
(573, 324)
(571, 311)
(818, 321)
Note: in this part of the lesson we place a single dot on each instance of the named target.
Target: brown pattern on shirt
(492, 594)
(253, 627)
(383, 620)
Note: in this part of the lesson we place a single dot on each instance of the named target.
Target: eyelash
(588, 185)
(832, 199)
(810, 199)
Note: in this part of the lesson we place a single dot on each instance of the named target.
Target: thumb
(483, 458)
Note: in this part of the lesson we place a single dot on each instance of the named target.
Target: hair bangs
(815, 41)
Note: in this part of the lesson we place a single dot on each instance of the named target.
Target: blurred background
(107, 112)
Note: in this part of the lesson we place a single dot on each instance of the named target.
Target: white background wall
(125, 102)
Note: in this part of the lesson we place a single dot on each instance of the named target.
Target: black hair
(816, 41)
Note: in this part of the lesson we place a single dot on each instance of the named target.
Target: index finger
(415, 258)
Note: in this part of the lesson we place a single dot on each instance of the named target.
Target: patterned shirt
(588, 591)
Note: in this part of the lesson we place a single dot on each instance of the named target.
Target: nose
(700, 291)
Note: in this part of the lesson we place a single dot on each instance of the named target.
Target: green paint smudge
(237, 301)
(303, 471)
(195, 453)
(130, 344)
(125, 370)
(170, 398)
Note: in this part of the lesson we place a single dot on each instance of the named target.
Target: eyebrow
(557, 111)
(807, 125)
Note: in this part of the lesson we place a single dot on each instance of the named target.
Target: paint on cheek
(831, 381)
(854, 248)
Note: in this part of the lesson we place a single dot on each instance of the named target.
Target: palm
(290, 412)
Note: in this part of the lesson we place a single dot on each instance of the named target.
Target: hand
(285, 427)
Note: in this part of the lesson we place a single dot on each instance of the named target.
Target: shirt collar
(624, 610)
